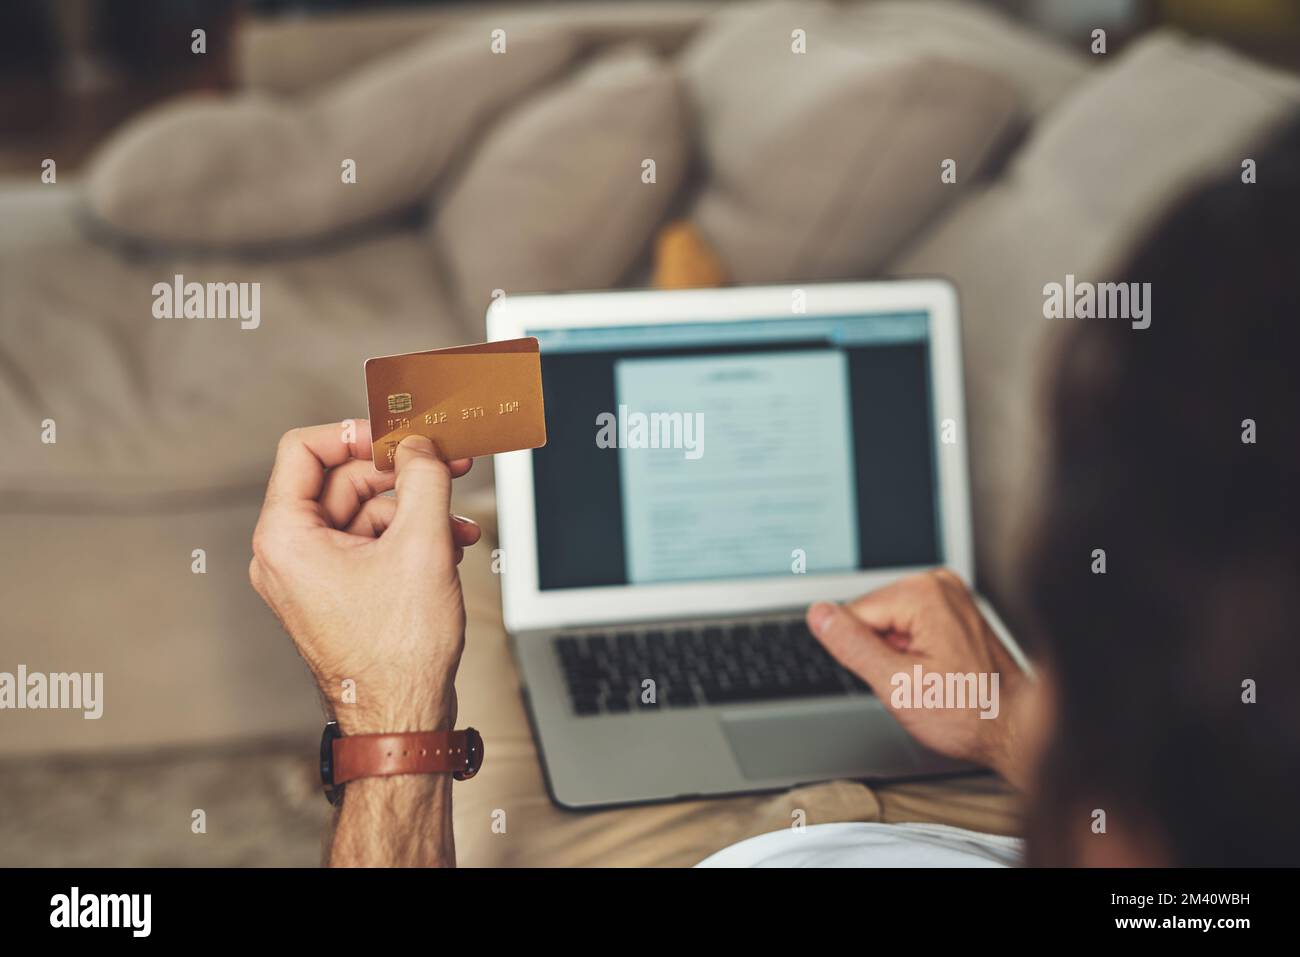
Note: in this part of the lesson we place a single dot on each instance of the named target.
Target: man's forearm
(398, 821)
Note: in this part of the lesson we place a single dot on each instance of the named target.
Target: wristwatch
(345, 758)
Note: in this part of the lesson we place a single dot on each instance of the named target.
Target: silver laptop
(717, 460)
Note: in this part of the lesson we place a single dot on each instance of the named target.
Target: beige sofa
(165, 429)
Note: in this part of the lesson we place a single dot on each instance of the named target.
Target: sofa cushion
(1100, 171)
(255, 169)
(555, 199)
(292, 54)
(1041, 70)
(822, 164)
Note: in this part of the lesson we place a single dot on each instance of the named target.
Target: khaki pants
(504, 818)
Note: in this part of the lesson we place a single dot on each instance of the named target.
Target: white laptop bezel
(526, 607)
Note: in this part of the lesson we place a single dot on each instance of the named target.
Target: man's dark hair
(1200, 599)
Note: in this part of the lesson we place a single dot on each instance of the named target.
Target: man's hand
(367, 588)
(931, 619)
(367, 585)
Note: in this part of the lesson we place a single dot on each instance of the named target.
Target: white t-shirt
(871, 845)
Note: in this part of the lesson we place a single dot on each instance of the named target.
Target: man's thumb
(423, 490)
(854, 645)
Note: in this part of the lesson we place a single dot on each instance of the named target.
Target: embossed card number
(468, 400)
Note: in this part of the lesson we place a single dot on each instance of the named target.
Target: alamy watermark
(651, 430)
(75, 909)
(57, 691)
(946, 690)
(179, 299)
(1103, 300)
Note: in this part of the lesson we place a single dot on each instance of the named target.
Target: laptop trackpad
(818, 745)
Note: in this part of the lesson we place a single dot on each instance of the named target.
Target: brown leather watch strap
(459, 753)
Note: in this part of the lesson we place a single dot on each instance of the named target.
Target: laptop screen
(737, 449)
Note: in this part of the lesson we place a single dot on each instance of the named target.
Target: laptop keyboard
(707, 664)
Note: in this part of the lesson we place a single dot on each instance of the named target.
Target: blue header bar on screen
(872, 329)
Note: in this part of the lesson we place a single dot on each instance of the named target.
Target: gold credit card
(469, 400)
